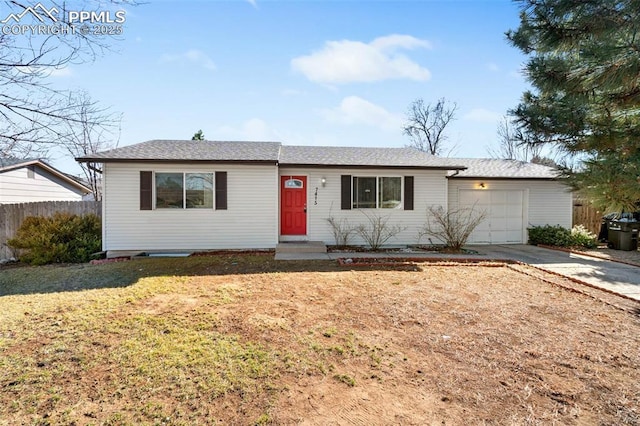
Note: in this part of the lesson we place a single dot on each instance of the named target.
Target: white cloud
(193, 56)
(355, 110)
(253, 3)
(349, 61)
(483, 115)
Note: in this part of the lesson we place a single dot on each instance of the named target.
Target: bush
(453, 226)
(342, 230)
(61, 238)
(377, 231)
(549, 235)
(582, 237)
(558, 236)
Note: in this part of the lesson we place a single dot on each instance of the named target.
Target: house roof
(338, 156)
(7, 164)
(318, 156)
(272, 152)
(490, 168)
(187, 151)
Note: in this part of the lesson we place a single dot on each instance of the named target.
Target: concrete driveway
(614, 276)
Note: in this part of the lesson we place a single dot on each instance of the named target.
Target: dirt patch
(314, 343)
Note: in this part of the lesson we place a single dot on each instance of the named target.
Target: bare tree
(426, 124)
(31, 110)
(92, 128)
(512, 143)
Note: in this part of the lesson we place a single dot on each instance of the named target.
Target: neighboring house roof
(7, 164)
(187, 151)
(489, 168)
(338, 156)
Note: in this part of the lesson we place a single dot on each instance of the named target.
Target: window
(377, 192)
(199, 190)
(184, 190)
(293, 183)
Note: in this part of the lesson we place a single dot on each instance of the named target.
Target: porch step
(301, 247)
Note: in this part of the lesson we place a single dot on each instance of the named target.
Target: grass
(247, 340)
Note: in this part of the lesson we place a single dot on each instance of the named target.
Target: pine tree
(584, 63)
(198, 136)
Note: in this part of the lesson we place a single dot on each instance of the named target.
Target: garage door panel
(504, 215)
(514, 223)
(479, 199)
(498, 197)
(514, 197)
(498, 212)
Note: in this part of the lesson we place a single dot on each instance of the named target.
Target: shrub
(582, 237)
(549, 235)
(453, 227)
(558, 236)
(377, 231)
(342, 230)
(61, 238)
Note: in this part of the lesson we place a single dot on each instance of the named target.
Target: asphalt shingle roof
(177, 150)
(323, 156)
(495, 168)
(362, 156)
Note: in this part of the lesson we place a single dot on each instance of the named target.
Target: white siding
(249, 222)
(17, 187)
(430, 188)
(545, 202)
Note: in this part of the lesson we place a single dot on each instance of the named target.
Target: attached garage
(515, 195)
(505, 215)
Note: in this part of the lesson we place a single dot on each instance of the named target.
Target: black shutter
(146, 190)
(408, 192)
(345, 198)
(221, 190)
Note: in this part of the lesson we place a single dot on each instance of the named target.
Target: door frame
(301, 237)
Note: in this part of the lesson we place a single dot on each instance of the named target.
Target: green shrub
(582, 237)
(558, 236)
(61, 238)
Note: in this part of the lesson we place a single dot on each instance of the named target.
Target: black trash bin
(603, 235)
(623, 235)
(629, 235)
(614, 234)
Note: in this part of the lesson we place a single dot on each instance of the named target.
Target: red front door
(293, 205)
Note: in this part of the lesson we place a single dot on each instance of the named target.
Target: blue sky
(306, 72)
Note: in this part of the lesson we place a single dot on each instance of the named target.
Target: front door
(293, 205)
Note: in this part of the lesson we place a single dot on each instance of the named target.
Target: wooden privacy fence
(586, 215)
(12, 216)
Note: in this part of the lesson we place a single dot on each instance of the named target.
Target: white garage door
(504, 223)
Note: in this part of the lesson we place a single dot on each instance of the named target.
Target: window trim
(400, 205)
(184, 190)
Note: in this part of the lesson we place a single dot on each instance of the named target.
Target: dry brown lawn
(247, 340)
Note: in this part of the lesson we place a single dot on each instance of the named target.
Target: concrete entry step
(301, 247)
